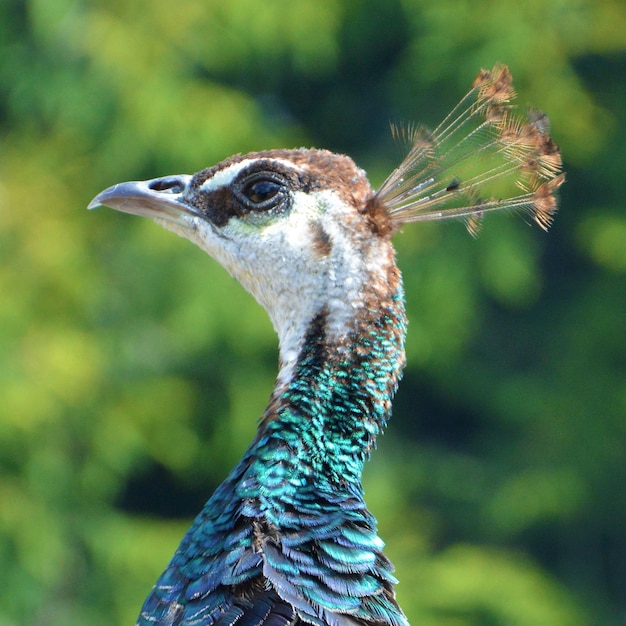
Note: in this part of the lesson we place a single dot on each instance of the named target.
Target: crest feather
(476, 161)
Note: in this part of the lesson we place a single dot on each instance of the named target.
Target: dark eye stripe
(265, 185)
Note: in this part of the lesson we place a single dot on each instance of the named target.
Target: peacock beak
(157, 198)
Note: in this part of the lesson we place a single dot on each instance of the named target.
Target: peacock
(287, 539)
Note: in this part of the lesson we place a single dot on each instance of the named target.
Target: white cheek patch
(279, 263)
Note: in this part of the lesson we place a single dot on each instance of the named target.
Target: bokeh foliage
(132, 368)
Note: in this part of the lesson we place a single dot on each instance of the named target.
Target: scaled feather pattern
(288, 537)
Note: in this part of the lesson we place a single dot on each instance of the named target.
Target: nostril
(168, 184)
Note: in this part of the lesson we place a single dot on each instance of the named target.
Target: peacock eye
(262, 194)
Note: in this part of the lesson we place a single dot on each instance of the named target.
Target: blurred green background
(133, 369)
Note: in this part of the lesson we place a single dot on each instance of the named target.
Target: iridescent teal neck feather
(287, 538)
(340, 397)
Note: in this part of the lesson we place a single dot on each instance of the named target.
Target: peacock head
(304, 231)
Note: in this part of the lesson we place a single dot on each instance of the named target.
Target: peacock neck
(338, 399)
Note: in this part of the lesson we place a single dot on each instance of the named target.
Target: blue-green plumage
(287, 538)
